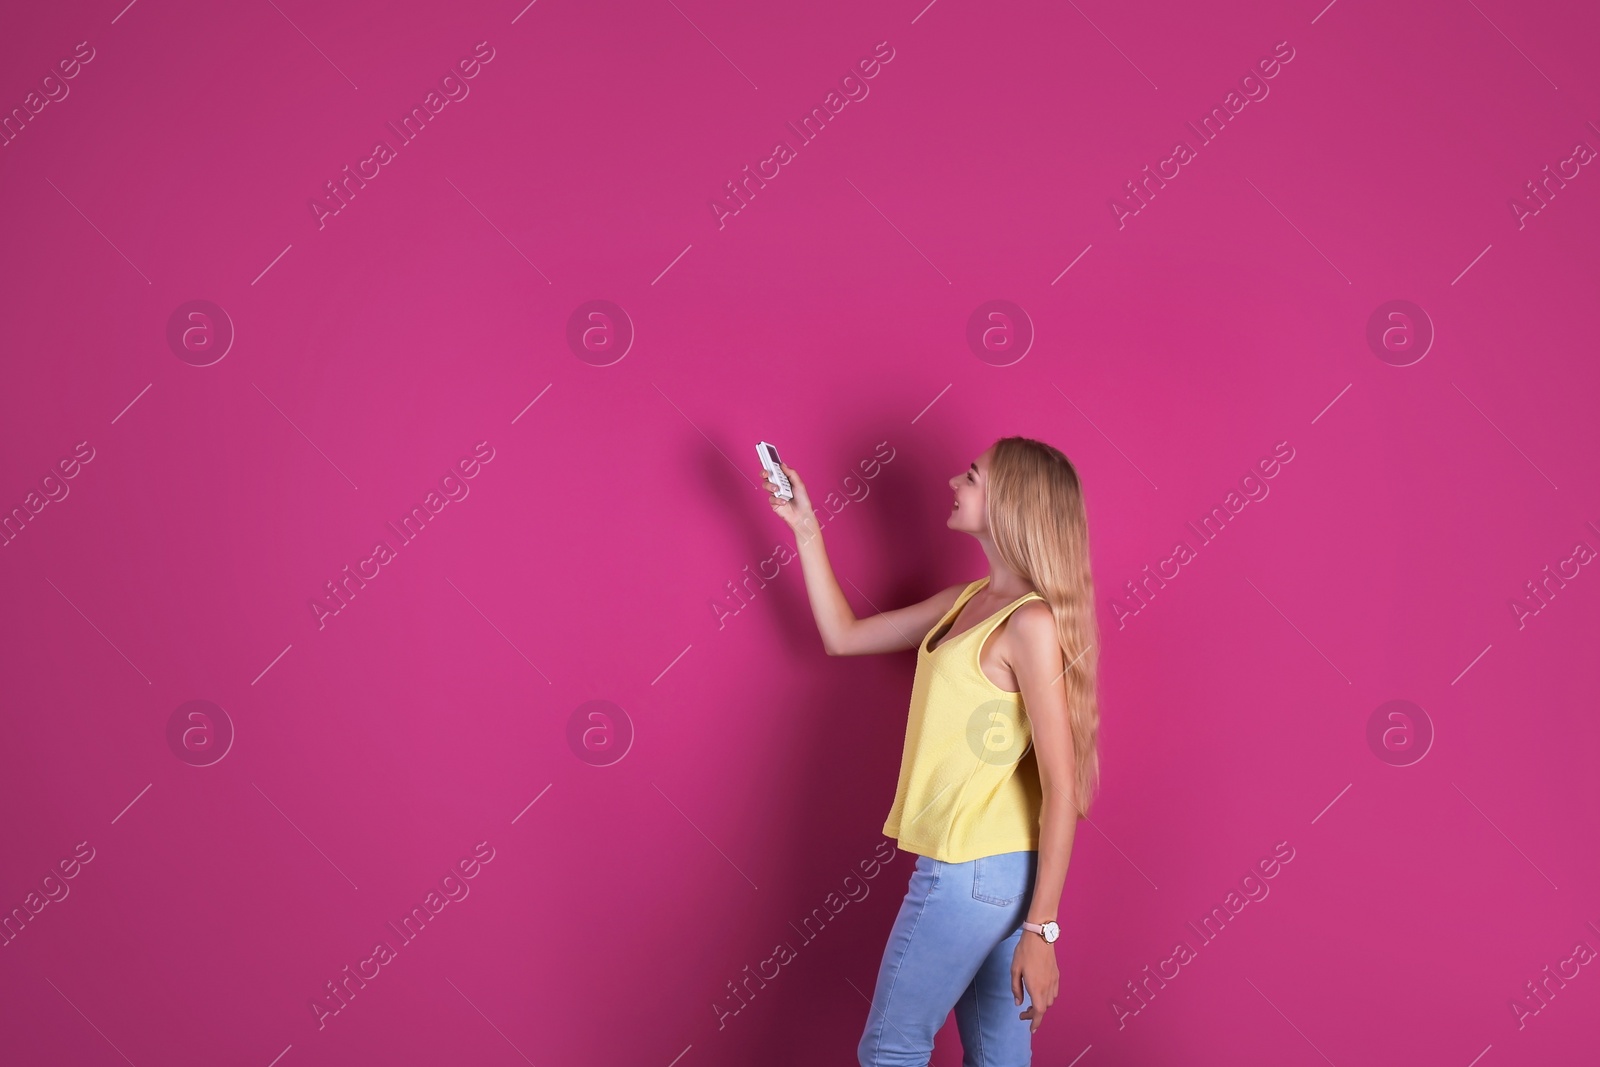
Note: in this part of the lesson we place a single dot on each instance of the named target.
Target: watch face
(1051, 932)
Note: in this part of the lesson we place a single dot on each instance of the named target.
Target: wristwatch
(1049, 931)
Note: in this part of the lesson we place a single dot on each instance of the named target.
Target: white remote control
(772, 465)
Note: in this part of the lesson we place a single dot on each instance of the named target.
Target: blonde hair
(1036, 517)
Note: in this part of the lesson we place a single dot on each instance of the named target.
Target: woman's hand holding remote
(797, 511)
(835, 620)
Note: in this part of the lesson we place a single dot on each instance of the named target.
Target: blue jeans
(951, 947)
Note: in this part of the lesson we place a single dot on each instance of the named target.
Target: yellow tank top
(969, 782)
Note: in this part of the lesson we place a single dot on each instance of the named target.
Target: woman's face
(970, 487)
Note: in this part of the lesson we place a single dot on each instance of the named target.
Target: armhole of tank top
(943, 623)
(977, 655)
(941, 628)
(967, 594)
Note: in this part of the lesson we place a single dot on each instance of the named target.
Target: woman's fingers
(772, 491)
(1038, 1005)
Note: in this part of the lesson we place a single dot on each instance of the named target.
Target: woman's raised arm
(842, 633)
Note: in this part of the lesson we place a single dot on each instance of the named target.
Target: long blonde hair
(1036, 516)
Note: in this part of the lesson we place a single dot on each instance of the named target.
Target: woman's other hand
(1034, 965)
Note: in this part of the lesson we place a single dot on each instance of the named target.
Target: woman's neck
(1004, 583)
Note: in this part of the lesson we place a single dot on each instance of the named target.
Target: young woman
(999, 761)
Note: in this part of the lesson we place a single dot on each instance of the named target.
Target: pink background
(829, 316)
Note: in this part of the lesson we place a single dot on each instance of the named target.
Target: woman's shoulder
(1034, 612)
(1032, 625)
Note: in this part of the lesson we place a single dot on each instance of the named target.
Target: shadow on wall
(841, 772)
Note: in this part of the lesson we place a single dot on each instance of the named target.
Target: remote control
(772, 465)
